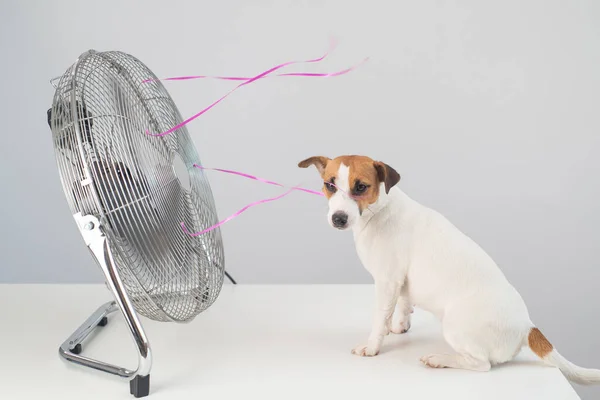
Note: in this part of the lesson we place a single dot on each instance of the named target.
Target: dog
(417, 257)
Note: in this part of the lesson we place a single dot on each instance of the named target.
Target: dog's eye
(330, 186)
(360, 188)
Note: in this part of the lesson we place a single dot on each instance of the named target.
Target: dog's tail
(538, 343)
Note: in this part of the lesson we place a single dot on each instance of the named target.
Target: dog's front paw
(365, 351)
(401, 327)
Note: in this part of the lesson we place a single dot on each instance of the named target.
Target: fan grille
(112, 169)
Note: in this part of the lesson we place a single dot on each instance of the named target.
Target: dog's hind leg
(469, 355)
(460, 361)
(470, 339)
(480, 336)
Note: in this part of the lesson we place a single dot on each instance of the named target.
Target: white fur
(416, 256)
(340, 201)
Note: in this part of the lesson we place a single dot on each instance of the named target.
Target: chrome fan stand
(70, 350)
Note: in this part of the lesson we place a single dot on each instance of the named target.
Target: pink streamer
(253, 79)
(241, 78)
(236, 214)
(268, 200)
(247, 81)
(227, 171)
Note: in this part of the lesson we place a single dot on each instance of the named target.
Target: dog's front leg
(386, 297)
(404, 309)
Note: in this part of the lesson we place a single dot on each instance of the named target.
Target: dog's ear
(318, 161)
(387, 175)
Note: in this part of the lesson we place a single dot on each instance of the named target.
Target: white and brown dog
(416, 256)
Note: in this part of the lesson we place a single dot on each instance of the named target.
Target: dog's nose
(339, 219)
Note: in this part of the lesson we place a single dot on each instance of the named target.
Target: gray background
(488, 109)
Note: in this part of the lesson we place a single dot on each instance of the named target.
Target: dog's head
(352, 184)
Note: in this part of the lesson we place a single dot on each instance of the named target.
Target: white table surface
(264, 342)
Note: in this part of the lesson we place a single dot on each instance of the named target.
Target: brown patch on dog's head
(363, 180)
(538, 343)
(364, 177)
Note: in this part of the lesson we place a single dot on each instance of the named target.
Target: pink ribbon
(242, 78)
(268, 200)
(247, 81)
(250, 80)
(236, 214)
(227, 171)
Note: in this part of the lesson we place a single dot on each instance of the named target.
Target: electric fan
(128, 192)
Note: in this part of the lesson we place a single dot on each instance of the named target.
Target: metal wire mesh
(112, 169)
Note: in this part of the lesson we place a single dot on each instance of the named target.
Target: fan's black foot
(76, 349)
(140, 386)
(103, 321)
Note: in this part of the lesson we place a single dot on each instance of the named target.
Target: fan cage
(111, 168)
